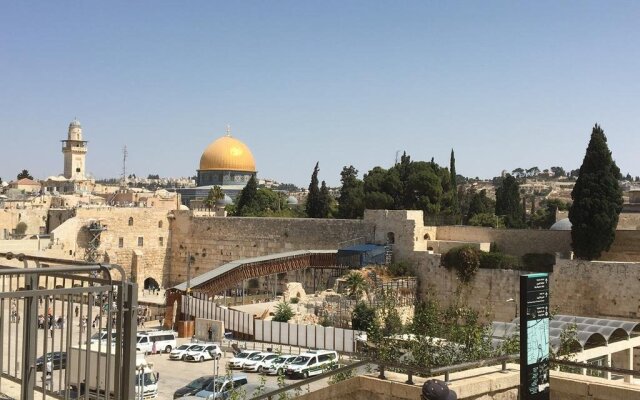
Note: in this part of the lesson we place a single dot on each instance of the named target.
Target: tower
(75, 151)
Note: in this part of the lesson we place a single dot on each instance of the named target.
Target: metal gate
(67, 330)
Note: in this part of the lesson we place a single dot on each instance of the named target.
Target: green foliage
(401, 268)
(215, 194)
(539, 262)
(294, 300)
(392, 323)
(464, 259)
(545, 216)
(24, 174)
(325, 321)
(247, 198)
(357, 285)
(283, 313)
(508, 202)
(325, 201)
(484, 219)
(351, 202)
(313, 206)
(341, 376)
(455, 204)
(21, 228)
(364, 318)
(473, 203)
(498, 261)
(597, 200)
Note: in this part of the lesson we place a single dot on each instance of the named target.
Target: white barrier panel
(339, 334)
(349, 340)
(319, 334)
(329, 337)
(302, 336)
(258, 330)
(293, 334)
(275, 332)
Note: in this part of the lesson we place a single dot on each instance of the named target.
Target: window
(159, 223)
(160, 241)
(130, 221)
(140, 241)
(121, 242)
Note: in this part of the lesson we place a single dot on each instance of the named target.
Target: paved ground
(175, 374)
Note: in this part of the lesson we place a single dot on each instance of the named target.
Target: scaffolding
(95, 229)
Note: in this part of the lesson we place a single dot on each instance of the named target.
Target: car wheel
(305, 374)
(183, 357)
(167, 349)
(279, 372)
(201, 359)
(260, 369)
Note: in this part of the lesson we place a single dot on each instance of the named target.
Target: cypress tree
(351, 202)
(313, 197)
(508, 202)
(324, 201)
(454, 186)
(247, 198)
(597, 200)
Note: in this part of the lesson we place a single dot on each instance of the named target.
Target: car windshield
(256, 357)
(196, 348)
(198, 383)
(300, 360)
(218, 384)
(183, 347)
(242, 355)
(280, 360)
(147, 379)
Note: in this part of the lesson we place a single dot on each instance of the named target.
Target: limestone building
(226, 162)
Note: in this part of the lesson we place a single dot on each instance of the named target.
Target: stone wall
(629, 221)
(35, 218)
(625, 247)
(213, 241)
(590, 289)
(511, 241)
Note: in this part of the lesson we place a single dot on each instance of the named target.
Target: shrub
(401, 268)
(283, 313)
(498, 261)
(21, 228)
(539, 262)
(464, 259)
(294, 300)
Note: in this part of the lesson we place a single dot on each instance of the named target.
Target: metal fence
(315, 336)
(50, 311)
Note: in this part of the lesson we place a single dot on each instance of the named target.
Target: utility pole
(124, 166)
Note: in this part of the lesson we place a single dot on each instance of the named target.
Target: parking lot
(175, 374)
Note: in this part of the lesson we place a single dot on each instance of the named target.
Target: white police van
(313, 362)
(164, 340)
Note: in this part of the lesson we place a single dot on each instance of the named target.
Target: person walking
(48, 377)
(210, 332)
(77, 311)
(154, 349)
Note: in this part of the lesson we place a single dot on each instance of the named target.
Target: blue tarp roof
(362, 248)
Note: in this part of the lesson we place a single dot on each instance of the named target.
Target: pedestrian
(84, 324)
(48, 378)
(161, 321)
(210, 332)
(51, 330)
(435, 389)
(77, 311)
(153, 347)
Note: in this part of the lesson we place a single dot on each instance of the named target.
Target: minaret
(75, 151)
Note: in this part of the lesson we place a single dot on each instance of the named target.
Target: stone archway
(150, 284)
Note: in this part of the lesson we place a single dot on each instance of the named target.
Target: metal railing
(54, 308)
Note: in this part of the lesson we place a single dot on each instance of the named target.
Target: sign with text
(534, 336)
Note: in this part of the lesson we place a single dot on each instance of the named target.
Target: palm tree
(215, 193)
(357, 285)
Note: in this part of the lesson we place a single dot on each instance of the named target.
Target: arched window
(130, 221)
(391, 238)
(427, 237)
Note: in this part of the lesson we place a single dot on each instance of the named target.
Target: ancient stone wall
(35, 218)
(591, 289)
(511, 241)
(212, 241)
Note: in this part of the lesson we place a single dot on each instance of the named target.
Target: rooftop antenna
(124, 165)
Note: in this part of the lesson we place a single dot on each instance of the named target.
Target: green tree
(597, 200)
(558, 172)
(455, 206)
(363, 317)
(325, 201)
(351, 202)
(25, 174)
(247, 197)
(283, 313)
(357, 285)
(508, 202)
(313, 206)
(215, 194)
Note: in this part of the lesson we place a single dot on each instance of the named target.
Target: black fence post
(381, 369)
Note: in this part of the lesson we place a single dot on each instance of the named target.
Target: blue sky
(505, 84)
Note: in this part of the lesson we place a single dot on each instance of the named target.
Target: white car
(278, 365)
(202, 352)
(240, 358)
(181, 352)
(257, 362)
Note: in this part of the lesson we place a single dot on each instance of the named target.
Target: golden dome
(227, 154)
